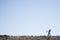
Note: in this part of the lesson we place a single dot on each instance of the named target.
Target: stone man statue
(48, 37)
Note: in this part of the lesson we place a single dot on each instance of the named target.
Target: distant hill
(28, 37)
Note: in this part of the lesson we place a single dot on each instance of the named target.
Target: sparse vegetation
(28, 37)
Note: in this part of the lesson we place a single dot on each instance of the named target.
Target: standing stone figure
(48, 37)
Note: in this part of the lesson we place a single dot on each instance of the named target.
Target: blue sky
(29, 17)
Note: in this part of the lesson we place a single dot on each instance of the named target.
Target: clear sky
(29, 17)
